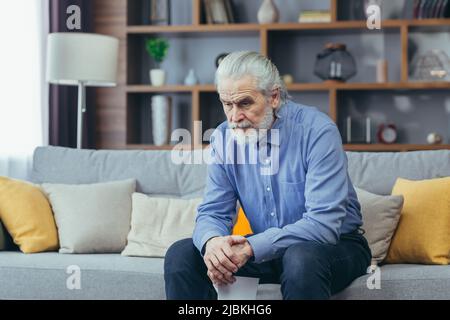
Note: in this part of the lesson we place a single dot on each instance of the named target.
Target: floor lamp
(82, 59)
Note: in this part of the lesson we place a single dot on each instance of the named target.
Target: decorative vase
(335, 63)
(161, 120)
(191, 78)
(157, 77)
(268, 12)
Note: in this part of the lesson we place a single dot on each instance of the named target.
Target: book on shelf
(314, 16)
(427, 9)
(219, 11)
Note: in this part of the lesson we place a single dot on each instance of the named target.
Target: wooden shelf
(394, 147)
(121, 125)
(142, 88)
(148, 29)
(194, 28)
(427, 22)
(321, 86)
(368, 86)
(167, 88)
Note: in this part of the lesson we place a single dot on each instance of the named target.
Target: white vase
(191, 78)
(157, 77)
(160, 120)
(268, 12)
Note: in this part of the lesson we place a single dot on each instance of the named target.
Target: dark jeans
(307, 270)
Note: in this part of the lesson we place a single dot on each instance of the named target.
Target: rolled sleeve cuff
(263, 249)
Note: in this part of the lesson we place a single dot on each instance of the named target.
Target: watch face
(389, 135)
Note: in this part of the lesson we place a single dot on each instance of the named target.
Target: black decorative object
(335, 63)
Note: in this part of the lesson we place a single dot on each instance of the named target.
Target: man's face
(245, 106)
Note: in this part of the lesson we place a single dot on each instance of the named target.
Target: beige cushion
(381, 215)
(156, 223)
(92, 218)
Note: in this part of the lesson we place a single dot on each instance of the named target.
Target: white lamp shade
(89, 58)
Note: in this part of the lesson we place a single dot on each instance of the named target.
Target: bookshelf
(194, 37)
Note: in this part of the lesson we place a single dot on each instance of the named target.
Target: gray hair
(242, 63)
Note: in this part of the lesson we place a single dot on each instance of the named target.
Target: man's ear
(275, 98)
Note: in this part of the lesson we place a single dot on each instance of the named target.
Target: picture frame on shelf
(160, 12)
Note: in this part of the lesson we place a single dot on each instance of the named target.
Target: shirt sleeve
(217, 212)
(326, 199)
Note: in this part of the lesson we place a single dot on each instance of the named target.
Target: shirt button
(267, 161)
(268, 189)
(272, 214)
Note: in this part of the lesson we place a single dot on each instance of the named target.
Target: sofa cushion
(403, 282)
(157, 223)
(103, 276)
(242, 225)
(380, 219)
(112, 276)
(423, 233)
(92, 218)
(397, 282)
(26, 214)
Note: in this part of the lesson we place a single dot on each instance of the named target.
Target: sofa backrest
(377, 172)
(157, 174)
(154, 171)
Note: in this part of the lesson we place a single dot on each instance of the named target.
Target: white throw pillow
(156, 223)
(92, 218)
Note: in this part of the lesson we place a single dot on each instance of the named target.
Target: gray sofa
(111, 276)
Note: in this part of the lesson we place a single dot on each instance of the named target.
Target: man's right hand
(220, 260)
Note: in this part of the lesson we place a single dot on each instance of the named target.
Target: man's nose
(236, 115)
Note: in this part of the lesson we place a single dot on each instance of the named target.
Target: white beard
(252, 135)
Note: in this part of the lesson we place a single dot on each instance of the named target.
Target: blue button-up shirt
(299, 191)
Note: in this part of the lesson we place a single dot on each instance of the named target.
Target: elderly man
(304, 211)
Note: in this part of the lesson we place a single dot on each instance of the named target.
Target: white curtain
(23, 90)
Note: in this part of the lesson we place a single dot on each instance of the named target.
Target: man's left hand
(243, 252)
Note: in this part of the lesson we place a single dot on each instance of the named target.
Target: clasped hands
(224, 256)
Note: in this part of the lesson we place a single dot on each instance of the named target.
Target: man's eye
(245, 104)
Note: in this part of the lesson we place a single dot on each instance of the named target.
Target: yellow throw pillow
(26, 214)
(242, 226)
(423, 233)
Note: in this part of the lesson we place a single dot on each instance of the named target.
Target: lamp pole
(81, 111)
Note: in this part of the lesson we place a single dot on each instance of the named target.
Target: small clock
(387, 133)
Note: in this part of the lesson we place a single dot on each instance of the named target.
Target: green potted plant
(157, 48)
